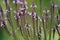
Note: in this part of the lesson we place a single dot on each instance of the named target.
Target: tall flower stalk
(54, 30)
(40, 8)
(39, 33)
(44, 28)
(10, 19)
(52, 16)
(3, 23)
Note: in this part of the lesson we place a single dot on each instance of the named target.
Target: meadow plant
(20, 20)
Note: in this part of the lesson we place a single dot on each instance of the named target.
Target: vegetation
(29, 20)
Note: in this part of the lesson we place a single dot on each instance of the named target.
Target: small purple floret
(22, 0)
(27, 25)
(59, 10)
(20, 28)
(46, 13)
(24, 7)
(15, 1)
(19, 13)
(39, 35)
(58, 17)
(1, 10)
(52, 5)
(6, 2)
(42, 20)
(3, 23)
(36, 17)
(33, 14)
(8, 10)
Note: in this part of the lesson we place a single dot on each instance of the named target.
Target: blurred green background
(45, 4)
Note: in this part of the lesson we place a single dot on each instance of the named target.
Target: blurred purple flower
(52, 5)
(24, 6)
(20, 28)
(15, 1)
(58, 25)
(0, 17)
(1, 10)
(39, 29)
(16, 17)
(57, 29)
(33, 5)
(43, 20)
(22, 0)
(59, 10)
(46, 12)
(3, 23)
(39, 35)
(58, 17)
(36, 17)
(19, 13)
(6, 2)
(32, 14)
(27, 25)
(8, 9)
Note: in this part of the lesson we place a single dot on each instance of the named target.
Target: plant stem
(44, 28)
(40, 8)
(52, 17)
(53, 33)
(3, 21)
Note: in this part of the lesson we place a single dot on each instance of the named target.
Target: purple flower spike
(17, 17)
(8, 9)
(22, 0)
(57, 29)
(1, 10)
(19, 13)
(52, 5)
(15, 1)
(33, 14)
(43, 20)
(33, 5)
(27, 25)
(39, 35)
(6, 2)
(58, 17)
(59, 10)
(36, 17)
(20, 28)
(24, 7)
(0, 17)
(46, 13)
(56, 25)
(2, 23)
(39, 29)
